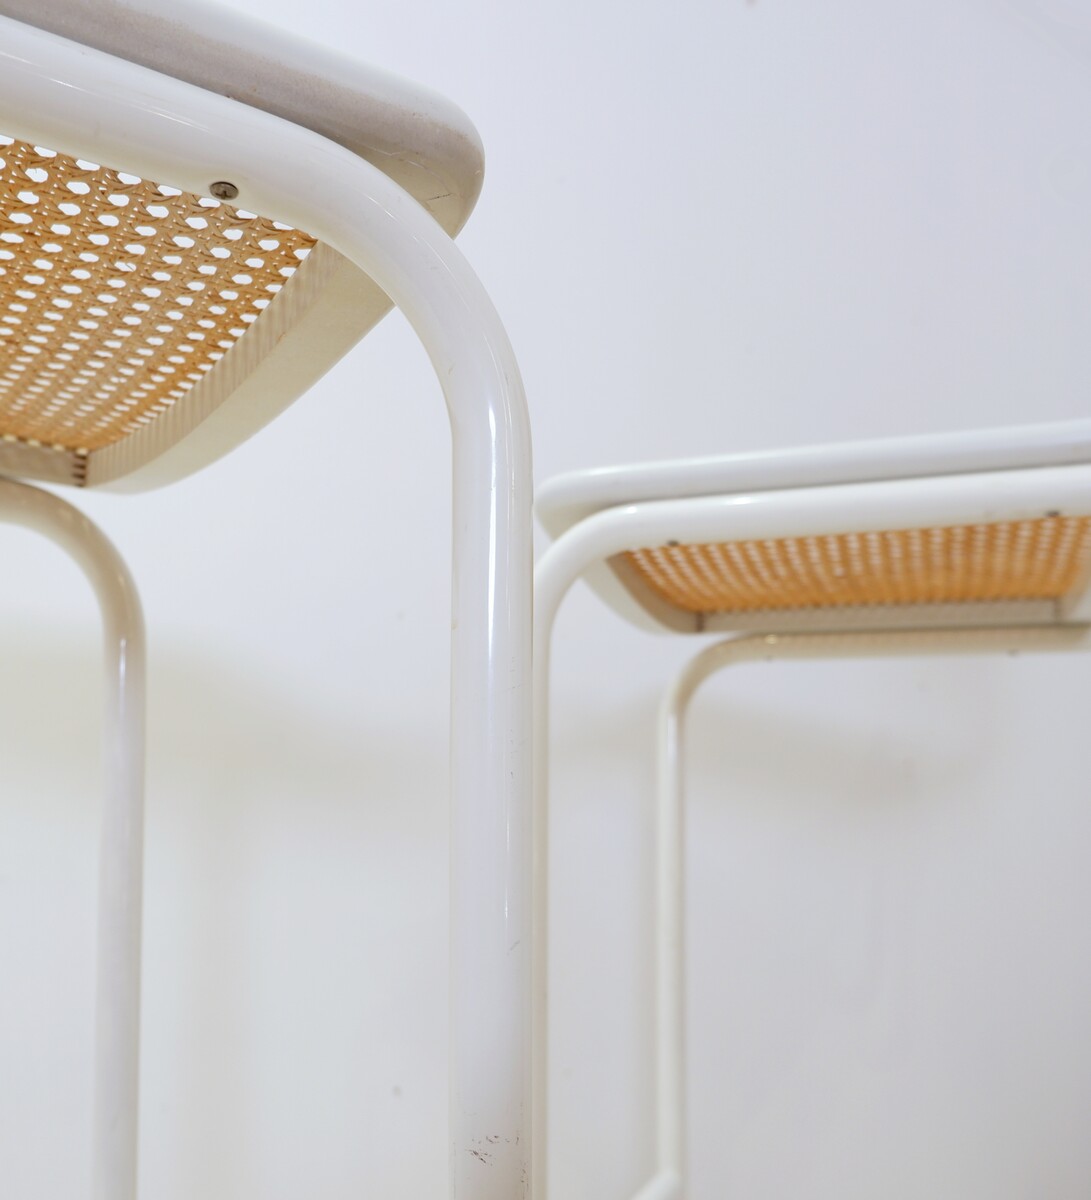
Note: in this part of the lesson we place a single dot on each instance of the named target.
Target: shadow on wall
(885, 871)
(212, 725)
(785, 740)
(295, 927)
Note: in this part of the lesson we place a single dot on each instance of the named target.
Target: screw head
(223, 190)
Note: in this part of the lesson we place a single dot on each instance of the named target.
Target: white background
(710, 226)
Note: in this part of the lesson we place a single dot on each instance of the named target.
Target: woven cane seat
(118, 295)
(1043, 559)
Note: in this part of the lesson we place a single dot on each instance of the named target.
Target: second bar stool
(966, 544)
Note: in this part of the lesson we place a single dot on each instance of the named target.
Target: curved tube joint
(905, 643)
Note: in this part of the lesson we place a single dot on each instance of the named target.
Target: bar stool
(200, 216)
(960, 544)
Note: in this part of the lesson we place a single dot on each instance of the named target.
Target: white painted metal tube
(902, 643)
(121, 859)
(669, 944)
(86, 103)
(567, 498)
(669, 936)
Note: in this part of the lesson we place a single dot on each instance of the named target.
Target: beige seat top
(1045, 558)
(143, 325)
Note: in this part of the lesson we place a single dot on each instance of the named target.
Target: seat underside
(1043, 559)
(118, 295)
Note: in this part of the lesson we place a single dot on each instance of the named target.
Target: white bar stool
(149, 321)
(961, 544)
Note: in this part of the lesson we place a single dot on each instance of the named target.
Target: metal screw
(223, 190)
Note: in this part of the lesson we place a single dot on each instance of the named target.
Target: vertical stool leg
(121, 873)
(669, 951)
(117, 1016)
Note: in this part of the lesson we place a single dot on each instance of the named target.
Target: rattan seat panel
(1047, 558)
(118, 295)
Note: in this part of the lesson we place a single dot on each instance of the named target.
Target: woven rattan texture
(117, 295)
(1042, 559)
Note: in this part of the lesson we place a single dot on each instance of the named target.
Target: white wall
(713, 225)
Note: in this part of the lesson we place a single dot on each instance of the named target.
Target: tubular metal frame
(83, 102)
(887, 504)
(669, 836)
(121, 852)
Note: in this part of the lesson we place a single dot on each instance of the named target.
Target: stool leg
(121, 872)
(669, 952)
(117, 1020)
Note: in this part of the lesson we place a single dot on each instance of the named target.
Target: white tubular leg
(557, 570)
(669, 943)
(669, 851)
(117, 1003)
(408, 254)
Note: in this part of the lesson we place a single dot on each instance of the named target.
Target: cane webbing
(1041, 559)
(117, 295)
